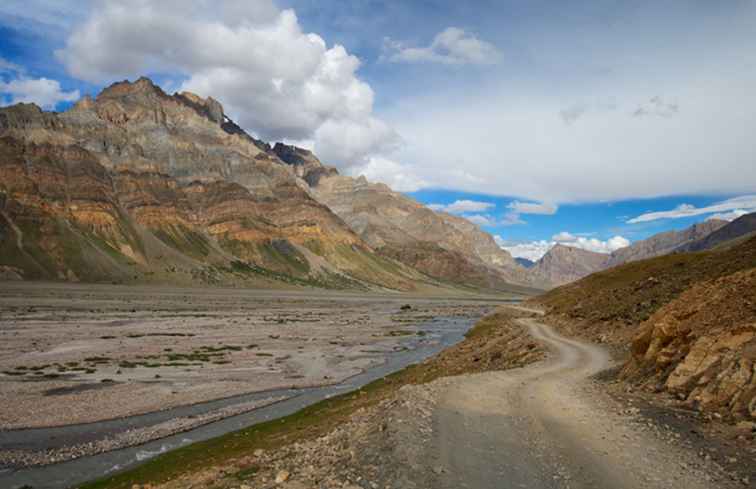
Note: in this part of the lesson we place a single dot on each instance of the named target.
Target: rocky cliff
(701, 347)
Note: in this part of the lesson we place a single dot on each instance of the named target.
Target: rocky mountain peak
(563, 264)
(141, 87)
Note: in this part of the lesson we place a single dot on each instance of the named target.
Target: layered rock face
(441, 245)
(664, 243)
(174, 172)
(563, 264)
(702, 346)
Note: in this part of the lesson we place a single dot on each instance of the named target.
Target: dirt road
(544, 426)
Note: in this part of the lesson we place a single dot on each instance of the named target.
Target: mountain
(439, 244)
(741, 228)
(139, 185)
(687, 320)
(563, 264)
(524, 262)
(664, 243)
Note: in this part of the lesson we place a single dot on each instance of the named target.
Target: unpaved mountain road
(545, 427)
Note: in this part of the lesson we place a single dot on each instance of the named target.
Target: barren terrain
(77, 354)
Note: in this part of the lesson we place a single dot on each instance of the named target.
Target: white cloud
(533, 208)
(397, 176)
(564, 237)
(730, 216)
(42, 91)
(746, 203)
(532, 251)
(509, 133)
(480, 219)
(462, 206)
(7, 66)
(273, 78)
(511, 219)
(452, 46)
(536, 249)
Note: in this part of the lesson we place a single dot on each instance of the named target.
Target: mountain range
(562, 264)
(136, 185)
(139, 185)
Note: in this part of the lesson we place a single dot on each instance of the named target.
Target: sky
(589, 123)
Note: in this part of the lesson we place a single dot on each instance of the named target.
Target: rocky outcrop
(664, 243)
(701, 347)
(306, 165)
(563, 264)
(739, 229)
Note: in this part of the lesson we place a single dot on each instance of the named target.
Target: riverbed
(313, 346)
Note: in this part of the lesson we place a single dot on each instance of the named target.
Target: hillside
(631, 293)
(688, 318)
(664, 243)
(139, 185)
(439, 244)
(741, 228)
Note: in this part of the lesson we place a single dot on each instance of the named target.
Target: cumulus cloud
(274, 79)
(463, 206)
(397, 176)
(42, 91)
(591, 244)
(452, 46)
(746, 203)
(534, 250)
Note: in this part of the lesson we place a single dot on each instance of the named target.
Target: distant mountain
(739, 229)
(524, 262)
(664, 243)
(563, 264)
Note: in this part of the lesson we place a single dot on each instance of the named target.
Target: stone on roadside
(282, 476)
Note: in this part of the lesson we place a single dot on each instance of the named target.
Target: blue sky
(543, 119)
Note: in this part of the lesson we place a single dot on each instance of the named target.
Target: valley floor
(549, 424)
